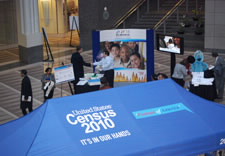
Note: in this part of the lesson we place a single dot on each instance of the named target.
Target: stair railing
(135, 8)
(168, 14)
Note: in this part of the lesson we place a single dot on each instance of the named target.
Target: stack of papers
(94, 82)
(89, 76)
(82, 82)
(198, 79)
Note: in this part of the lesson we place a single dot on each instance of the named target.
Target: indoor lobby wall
(53, 16)
(91, 16)
(215, 25)
(8, 26)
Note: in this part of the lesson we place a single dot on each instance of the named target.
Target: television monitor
(170, 44)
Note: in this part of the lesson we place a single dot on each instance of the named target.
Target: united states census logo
(120, 33)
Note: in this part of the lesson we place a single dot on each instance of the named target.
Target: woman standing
(48, 83)
(180, 71)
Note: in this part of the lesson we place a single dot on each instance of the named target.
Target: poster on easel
(74, 22)
(64, 74)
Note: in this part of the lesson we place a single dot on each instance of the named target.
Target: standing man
(26, 93)
(219, 73)
(78, 63)
(107, 66)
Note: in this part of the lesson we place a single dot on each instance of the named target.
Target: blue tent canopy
(157, 118)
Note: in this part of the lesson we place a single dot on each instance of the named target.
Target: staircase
(172, 25)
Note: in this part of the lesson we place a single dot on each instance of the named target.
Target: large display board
(74, 22)
(132, 50)
(64, 73)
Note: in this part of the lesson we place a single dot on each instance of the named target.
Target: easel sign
(64, 74)
(74, 22)
(74, 25)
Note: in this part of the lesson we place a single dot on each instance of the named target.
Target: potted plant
(200, 23)
(186, 21)
(181, 29)
(199, 27)
(196, 14)
(199, 30)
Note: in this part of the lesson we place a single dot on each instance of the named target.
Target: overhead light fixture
(105, 13)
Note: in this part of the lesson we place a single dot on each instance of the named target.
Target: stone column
(29, 36)
(215, 25)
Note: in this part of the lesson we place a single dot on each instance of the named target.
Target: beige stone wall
(8, 26)
(53, 16)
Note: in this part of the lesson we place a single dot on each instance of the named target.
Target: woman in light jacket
(48, 83)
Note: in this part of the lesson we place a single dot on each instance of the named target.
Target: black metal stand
(172, 63)
(71, 90)
(47, 47)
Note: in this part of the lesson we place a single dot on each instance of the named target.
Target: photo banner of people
(128, 49)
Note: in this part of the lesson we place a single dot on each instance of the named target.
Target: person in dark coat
(78, 63)
(219, 73)
(26, 100)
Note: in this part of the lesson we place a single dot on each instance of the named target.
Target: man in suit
(26, 93)
(219, 73)
(78, 63)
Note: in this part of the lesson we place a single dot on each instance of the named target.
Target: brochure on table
(90, 78)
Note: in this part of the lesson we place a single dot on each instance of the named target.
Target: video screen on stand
(170, 43)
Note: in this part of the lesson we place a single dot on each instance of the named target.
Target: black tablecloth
(86, 88)
(205, 91)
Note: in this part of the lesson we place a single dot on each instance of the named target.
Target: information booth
(132, 50)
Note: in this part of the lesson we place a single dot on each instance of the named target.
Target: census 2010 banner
(101, 125)
(96, 119)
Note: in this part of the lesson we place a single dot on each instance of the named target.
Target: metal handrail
(168, 14)
(128, 13)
